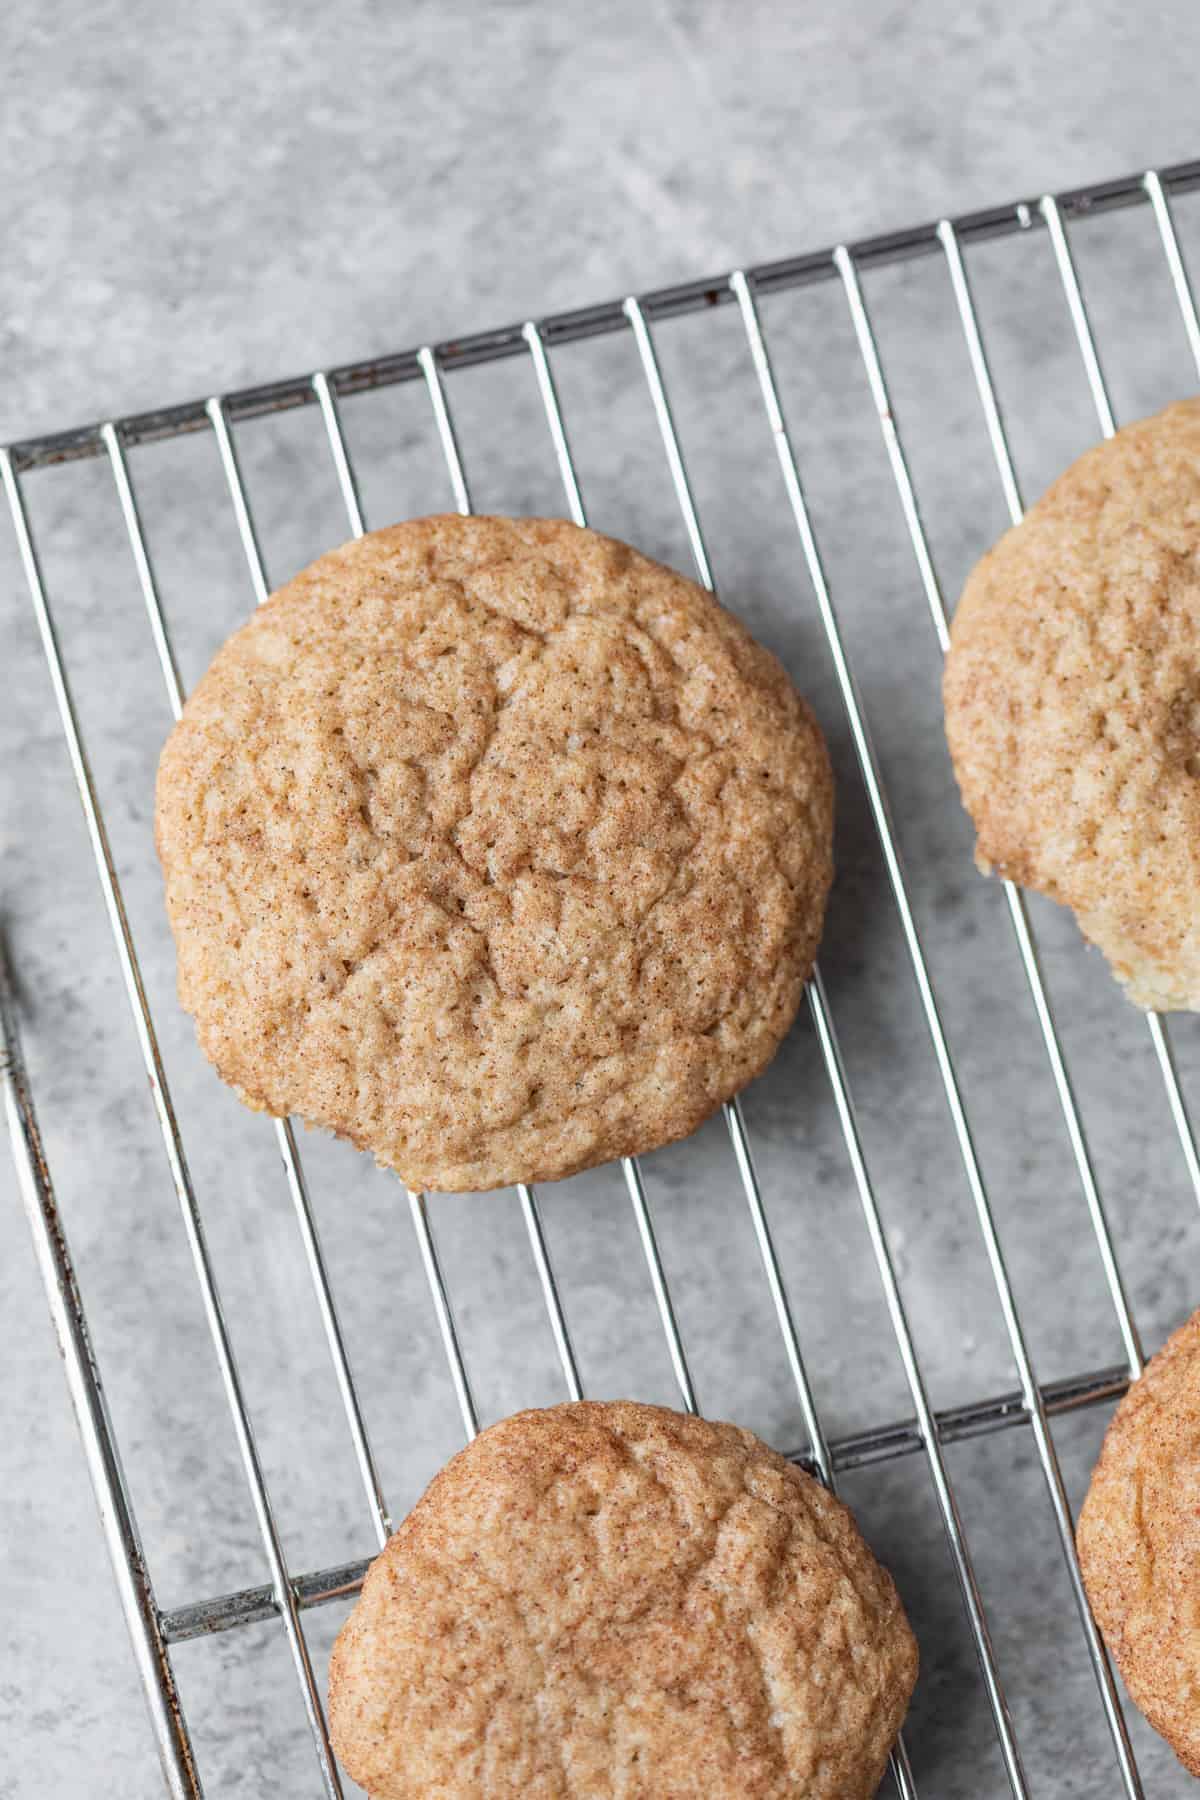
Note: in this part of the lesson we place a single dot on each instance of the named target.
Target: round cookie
(1072, 694)
(613, 1599)
(1139, 1541)
(496, 848)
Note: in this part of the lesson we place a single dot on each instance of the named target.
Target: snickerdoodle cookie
(495, 847)
(612, 1599)
(1139, 1541)
(1073, 702)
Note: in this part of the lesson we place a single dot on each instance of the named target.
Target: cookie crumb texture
(1072, 695)
(1139, 1542)
(615, 1600)
(496, 848)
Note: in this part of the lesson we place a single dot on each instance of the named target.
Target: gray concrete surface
(195, 198)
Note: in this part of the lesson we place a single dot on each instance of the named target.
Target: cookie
(1139, 1541)
(1072, 693)
(613, 1599)
(496, 848)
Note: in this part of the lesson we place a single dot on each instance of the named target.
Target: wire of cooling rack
(287, 1595)
(284, 1134)
(823, 1024)
(858, 1450)
(735, 1122)
(172, 1142)
(57, 1269)
(734, 1118)
(1043, 1439)
(697, 295)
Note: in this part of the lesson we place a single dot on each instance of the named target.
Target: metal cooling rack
(1031, 1405)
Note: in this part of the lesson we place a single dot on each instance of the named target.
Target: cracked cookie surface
(1139, 1541)
(610, 1599)
(496, 848)
(1072, 693)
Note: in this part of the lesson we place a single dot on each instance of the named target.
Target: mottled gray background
(194, 198)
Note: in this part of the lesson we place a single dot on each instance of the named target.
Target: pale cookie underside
(496, 848)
